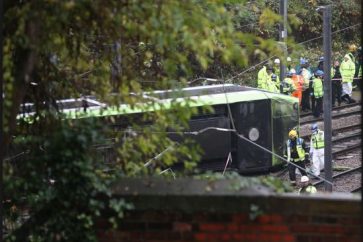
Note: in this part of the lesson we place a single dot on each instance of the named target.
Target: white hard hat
(277, 61)
(288, 58)
(304, 179)
(293, 71)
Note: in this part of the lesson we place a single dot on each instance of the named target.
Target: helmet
(304, 179)
(319, 73)
(277, 61)
(288, 59)
(292, 134)
(314, 127)
(303, 61)
(293, 71)
(289, 74)
(352, 47)
(321, 59)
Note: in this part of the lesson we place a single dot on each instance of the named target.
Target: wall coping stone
(203, 195)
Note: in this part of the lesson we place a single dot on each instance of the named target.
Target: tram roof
(192, 96)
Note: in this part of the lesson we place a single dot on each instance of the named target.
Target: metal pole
(1, 120)
(282, 38)
(327, 97)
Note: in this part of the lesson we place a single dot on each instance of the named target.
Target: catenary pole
(282, 38)
(1, 120)
(327, 99)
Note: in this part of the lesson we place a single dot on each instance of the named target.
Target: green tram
(262, 117)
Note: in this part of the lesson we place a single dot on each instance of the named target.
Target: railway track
(348, 179)
(346, 140)
(334, 116)
(303, 115)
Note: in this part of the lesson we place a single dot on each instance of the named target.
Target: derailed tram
(262, 117)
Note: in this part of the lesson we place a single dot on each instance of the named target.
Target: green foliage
(57, 184)
(67, 49)
(243, 182)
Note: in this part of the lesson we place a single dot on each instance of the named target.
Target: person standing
(307, 186)
(287, 85)
(306, 74)
(318, 92)
(336, 84)
(276, 70)
(263, 77)
(347, 70)
(296, 154)
(274, 83)
(320, 64)
(317, 149)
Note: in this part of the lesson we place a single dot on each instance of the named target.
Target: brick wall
(184, 211)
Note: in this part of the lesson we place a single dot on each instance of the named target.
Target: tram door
(253, 121)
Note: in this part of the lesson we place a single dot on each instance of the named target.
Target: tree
(62, 49)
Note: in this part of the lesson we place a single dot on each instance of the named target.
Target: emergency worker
(297, 80)
(317, 87)
(320, 64)
(347, 70)
(276, 70)
(287, 85)
(306, 186)
(274, 83)
(352, 50)
(317, 149)
(336, 84)
(306, 75)
(263, 76)
(296, 154)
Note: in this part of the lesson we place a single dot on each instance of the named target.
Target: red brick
(306, 228)
(182, 227)
(251, 237)
(274, 228)
(201, 237)
(330, 229)
(232, 227)
(239, 237)
(225, 237)
(211, 227)
(288, 238)
(270, 219)
(154, 235)
(239, 218)
(249, 228)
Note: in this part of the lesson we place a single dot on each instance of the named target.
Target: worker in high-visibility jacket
(274, 83)
(317, 149)
(287, 84)
(306, 186)
(347, 70)
(263, 76)
(318, 92)
(276, 69)
(296, 155)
